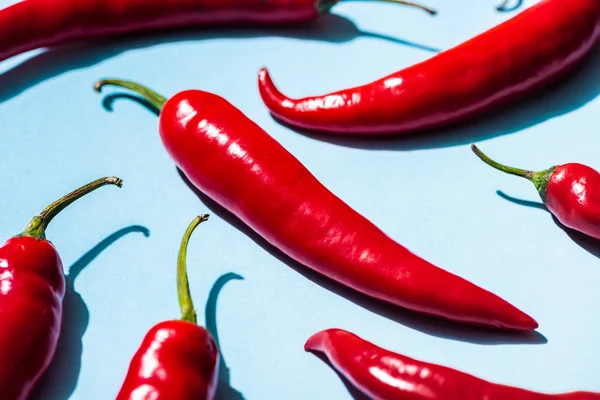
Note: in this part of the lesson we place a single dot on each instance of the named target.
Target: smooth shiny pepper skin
(236, 163)
(516, 57)
(176, 360)
(385, 375)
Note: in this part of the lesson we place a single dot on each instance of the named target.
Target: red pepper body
(573, 196)
(176, 360)
(497, 66)
(32, 286)
(385, 375)
(237, 164)
(32, 24)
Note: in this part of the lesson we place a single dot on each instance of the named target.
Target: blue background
(430, 193)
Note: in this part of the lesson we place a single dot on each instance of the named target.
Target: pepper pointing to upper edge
(237, 164)
(571, 192)
(178, 359)
(514, 58)
(32, 287)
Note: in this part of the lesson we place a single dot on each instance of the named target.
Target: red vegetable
(571, 192)
(32, 286)
(384, 375)
(58, 22)
(178, 359)
(237, 164)
(497, 66)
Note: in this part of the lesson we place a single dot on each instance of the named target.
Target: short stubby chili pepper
(530, 50)
(571, 192)
(60, 22)
(32, 287)
(384, 375)
(178, 359)
(237, 164)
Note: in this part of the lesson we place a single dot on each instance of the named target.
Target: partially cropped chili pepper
(571, 192)
(60, 22)
(513, 59)
(385, 375)
(32, 286)
(232, 160)
(178, 359)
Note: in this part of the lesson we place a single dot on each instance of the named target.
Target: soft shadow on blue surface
(352, 390)
(510, 5)
(60, 380)
(224, 391)
(565, 95)
(588, 243)
(423, 323)
(54, 62)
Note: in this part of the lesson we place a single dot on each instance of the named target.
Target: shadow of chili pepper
(516, 4)
(60, 380)
(588, 243)
(423, 323)
(352, 390)
(224, 391)
(55, 62)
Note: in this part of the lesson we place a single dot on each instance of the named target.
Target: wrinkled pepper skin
(385, 375)
(513, 59)
(237, 164)
(32, 287)
(176, 360)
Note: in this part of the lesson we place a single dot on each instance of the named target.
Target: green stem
(183, 288)
(37, 226)
(150, 95)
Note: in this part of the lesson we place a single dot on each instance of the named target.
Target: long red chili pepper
(231, 159)
(571, 192)
(57, 22)
(497, 66)
(32, 286)
(178, 359)
(385, 375)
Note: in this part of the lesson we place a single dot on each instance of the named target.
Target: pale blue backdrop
(430, 193)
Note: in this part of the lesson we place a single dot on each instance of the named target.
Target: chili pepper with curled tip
(32, 287)
(178, 359)
(492, 69)
(384, 375)
(571, 192)
(237, 164)
(60, 22)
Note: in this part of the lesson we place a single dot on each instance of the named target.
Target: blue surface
(430, 193)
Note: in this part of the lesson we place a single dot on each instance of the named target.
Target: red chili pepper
(571, 192)
(497, 66)
(59, 22)
(178, 359)
(32, 286)
(385, 375)
(231, 159)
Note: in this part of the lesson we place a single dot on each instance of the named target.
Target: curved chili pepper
(178, 359)
(571, 192)
(385, 375)
(241, 167)
(32, 287)
(497, 66)
(59, 22)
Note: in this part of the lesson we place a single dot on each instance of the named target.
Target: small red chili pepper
(237, 164)
(59, 22)
(32, 287)
(571, 192)
(497, 66)
(178, 359)
(385, 375)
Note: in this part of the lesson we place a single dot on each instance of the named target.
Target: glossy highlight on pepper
(384, 375)
(177, 359)
(528, 51)
(32, 287)
(237, 164)
(571, 192)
